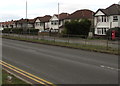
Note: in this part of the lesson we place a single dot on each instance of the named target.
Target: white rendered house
(42, 23)
(105, 19)
(57, 21)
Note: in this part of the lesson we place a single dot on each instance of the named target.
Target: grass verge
(95, 48)
(15, 81)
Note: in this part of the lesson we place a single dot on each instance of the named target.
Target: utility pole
(27, 19)
(26, 9)
(58, 18)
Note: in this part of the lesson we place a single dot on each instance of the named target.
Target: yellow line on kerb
(24, 75)
(18, 70)
(28, 73)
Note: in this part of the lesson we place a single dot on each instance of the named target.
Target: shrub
(77, 27)
(21, 31)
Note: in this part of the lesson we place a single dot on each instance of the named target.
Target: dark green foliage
(33, 31)
(21, 31)
(6, 30)
(77, 27)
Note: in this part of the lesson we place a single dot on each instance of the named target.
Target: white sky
(15, 9)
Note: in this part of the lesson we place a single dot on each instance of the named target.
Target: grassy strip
(95, 48)
(14, 80)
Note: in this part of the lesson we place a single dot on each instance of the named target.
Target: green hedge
(30, 31)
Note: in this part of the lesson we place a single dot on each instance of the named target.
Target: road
(61, 65)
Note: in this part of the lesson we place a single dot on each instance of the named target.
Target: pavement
(61, 65)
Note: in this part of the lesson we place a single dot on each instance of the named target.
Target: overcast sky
(15, 9)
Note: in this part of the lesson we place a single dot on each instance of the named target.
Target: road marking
(109, 67)
(31, 76)
(102, 66)
(27, 73)
(24, 74)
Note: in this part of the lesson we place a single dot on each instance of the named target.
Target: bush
(32, 31)
(21, 31)
(6, 30)
(77, 27)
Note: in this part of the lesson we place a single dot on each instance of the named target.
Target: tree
(77, 27)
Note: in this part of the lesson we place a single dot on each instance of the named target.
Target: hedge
(30, 31)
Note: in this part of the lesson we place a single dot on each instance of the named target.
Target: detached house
(8, 24)
(57, 21)
(42, 23)
(25, 23)
(105, 19)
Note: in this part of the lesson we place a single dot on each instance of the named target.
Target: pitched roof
(111, 10)
(45, 18)
(85, 13)
(22, 20)
(7, 23)
(31, 21)
(62, 16)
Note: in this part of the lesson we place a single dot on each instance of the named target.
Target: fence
(72, 39)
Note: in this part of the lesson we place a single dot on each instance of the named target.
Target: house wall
(14, 26)
(119, 21)
(39, 25)
(47, 25)
(114, 24)
(55, 26)
(19, 26)
(30, 25)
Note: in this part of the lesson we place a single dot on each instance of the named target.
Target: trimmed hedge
(30, 31)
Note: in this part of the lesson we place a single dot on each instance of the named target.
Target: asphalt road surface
(61, 65)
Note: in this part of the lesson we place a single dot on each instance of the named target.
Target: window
(102, 31)
(98, 19)
(41, 24)
(98, 31)
(104, 19)
(54, 22)
(37, 23)
(115, 18)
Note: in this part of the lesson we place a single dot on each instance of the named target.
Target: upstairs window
(55, 22)
(37, 23)
(115, 18)
(104, 19)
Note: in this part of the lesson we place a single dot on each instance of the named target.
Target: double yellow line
(26, 74)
